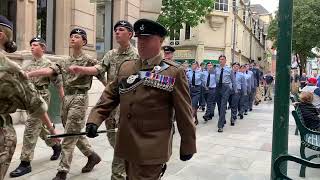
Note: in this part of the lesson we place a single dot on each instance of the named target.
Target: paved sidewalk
(242, 152)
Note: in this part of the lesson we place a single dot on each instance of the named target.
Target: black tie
(193, 78)
(221, 75)
(208, 80)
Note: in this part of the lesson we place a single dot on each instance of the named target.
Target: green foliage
(175, 13)
(306, 25)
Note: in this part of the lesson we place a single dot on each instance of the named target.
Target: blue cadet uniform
(239, 83)
(243, 95)
(195, 79)
(202, 100)
(209, 85)
(225, 84)
(253, 89)
(248, 78)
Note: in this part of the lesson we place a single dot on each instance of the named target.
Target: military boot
(61, 175)
(93, 160)
(56, 152)
(23, 168)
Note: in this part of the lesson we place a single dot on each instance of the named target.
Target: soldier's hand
(75, 69)
(91, 130)
(185, 157)
(54, 132)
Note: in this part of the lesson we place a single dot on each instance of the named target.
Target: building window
(8, 8)
(188, 31)
(46, 22)
(175, 34)
(221, 5)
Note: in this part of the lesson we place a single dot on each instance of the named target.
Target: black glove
(91, 130)
(185, 157)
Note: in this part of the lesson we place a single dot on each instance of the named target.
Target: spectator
(268, 83)
(312, 88)
(303, 80)
(295, 81)
(309, 112)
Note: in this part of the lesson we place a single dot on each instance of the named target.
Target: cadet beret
(80, 32)
(5, 22)
(195, 62)
(125, 24)
(235, 63)
(168, 49)
(209, 63)
(38, 39)
(146, 27)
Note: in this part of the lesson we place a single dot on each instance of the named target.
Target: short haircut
(306, 97)
(222, 56)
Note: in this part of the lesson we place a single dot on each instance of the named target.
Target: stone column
(26, 22)
(200, 52)
(63, 23)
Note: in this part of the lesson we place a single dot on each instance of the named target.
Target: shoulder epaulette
(172, 63)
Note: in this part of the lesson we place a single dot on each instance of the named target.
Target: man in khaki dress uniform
(15, 93)
(148, 90)
(34, 129)
(75, 103)
(110, 64)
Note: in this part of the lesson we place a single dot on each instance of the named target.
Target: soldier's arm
(244, 85)
(233, 81)
(108, 101)
(183, 113)
(44, 72)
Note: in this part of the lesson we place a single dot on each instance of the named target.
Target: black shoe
(61, 175)
(56, 152)
(93, 160)
(225, 122)
(265, 99)
(246, 113)
(203, 109)
(220, 130)
(241, 116)
(232, 123)
(270, 99)
(250, 109)
(22, 169)
(205, 118)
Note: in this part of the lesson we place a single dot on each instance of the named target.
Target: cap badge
(78, 31)
(132, 78)
(123, 23)
(36, 39)
(142, 27)
(157, 69)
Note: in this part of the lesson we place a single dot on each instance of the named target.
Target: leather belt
(75, 91)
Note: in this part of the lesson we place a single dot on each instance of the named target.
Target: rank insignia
(132, 78)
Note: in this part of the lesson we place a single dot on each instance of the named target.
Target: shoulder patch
(172, 63)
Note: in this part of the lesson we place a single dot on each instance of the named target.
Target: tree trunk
(302, 63)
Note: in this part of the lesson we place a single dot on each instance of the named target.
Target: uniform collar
(78, 57)
(38, 60)
(125, 51)
(150, 63)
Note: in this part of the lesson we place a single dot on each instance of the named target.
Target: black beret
(209, 63)
(146, 27)
(195, 62)
(80, 32)
(5, 22)
(235, 63)
(37, 39)
(125, 24)
(168, 49)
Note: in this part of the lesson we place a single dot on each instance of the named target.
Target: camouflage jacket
(16, 92)
(75, 81)
(113, 59)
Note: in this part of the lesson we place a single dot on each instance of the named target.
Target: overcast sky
(270, 5)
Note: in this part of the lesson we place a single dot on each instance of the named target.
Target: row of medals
(159, 81)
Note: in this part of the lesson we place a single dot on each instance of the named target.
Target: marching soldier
(75, 103)
(34, 129)
(202, 100)
(148, 90)
(226, 83)
(195, 79)
(249, 80)
(16, 93)
(168, 52)
(110, 64)
(243, 92)
(210, 91)
(236, 96)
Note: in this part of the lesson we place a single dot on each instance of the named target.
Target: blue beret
(5, 22)
(125, 24)
(37, 39)
(146, 27)
(168, 49)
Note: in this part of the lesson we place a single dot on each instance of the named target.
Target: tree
(306, 25)
(175, 13)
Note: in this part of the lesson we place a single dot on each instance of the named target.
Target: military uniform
(110, 64)
(238, 96)
(210, 93)
(74, 106)
(15, 93)
(148, 91)
(34, 129)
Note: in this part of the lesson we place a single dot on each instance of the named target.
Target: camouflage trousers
(118, 164)
(8, 141)
(33, 129)
(73, 119)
